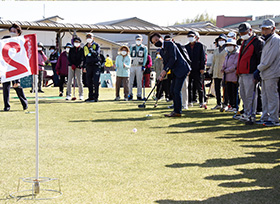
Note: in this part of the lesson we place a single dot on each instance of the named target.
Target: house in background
(258, 22)
(223, 21)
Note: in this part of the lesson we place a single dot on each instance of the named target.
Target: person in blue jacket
(123, 64)
(172, 59)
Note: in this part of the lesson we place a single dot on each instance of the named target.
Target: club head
(222, 110)
(155, 105)
(74, 98)
(142, 106)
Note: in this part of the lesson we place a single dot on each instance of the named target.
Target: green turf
(203, 157)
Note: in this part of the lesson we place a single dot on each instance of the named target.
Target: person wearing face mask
(138, 54)
(62, 67)
(123, 64)
(53, 60)
(229, 67)
(269, 70)
(76, 60)
(163, 86)
(92, 64)
(215, 70)
(196, 53)
(248, 60)
(15, 30)
(174, 60)
(42, 61)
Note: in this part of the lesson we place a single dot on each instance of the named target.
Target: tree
(198, 18)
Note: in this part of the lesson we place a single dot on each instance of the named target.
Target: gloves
(143, 68)
(257, 75)
(73, 66)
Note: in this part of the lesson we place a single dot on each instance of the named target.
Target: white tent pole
(37, 126)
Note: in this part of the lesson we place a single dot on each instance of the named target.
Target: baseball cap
(68, 45)
(191, 33)
(89, 34)
(231, 35)
(138, 37)
(243, 27)
(77, 39)
(268, 23)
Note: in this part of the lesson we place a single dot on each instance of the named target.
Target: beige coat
(217, 63)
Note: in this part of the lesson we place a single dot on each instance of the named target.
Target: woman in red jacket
(147, 72)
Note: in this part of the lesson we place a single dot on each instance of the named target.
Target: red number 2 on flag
(20, 69)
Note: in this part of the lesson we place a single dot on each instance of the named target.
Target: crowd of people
(244, 66)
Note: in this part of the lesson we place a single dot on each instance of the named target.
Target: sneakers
(244, 118)
(6, 108)
(229, 109)
(202, 105)
(126, 99)
(139, 98)
(237, 116)
(190, 104)
(216, 107)
(40, 91)
(68, 98)
(60, 94)
(130, 97)
(260, 122)
(271, 124)
(117, 98)
(81, 98)
(233, 110)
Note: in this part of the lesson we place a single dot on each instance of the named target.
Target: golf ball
(134, 130)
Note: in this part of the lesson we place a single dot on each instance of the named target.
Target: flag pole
(36, 183)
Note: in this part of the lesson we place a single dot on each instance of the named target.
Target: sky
(163, 13)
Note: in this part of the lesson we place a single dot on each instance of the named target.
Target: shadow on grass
(267, 178)
(243, 197)
(115, 120)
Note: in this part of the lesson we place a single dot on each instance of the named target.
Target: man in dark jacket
(92, 64)
(248, 60)
(76, 58)
(172, 59)
(197, 56)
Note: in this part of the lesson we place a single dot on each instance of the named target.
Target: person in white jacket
(269, 70)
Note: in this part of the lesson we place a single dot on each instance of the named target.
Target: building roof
(254, 23)
(202, 24)
(62, 27)
(114, 22)
(52, 19)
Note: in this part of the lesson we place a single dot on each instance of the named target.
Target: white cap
(231, 35)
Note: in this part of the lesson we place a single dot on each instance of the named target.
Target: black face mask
(265, 37)
(158, 44)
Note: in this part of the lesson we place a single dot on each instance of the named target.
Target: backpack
(184, 52)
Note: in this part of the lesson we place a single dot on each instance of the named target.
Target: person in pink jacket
(229, 70)
(62, 68)
(147, 72)
(42, 60)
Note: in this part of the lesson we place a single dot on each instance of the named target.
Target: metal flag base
(36, 193)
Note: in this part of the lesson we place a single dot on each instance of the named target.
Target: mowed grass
(203, 157)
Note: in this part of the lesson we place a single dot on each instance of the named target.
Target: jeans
(176, 88)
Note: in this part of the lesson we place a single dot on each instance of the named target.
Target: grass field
(203, 157)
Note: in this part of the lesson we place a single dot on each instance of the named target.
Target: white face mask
(51, 50)
(138, 42)
(12, 34)
(191, 39)
(123, 52)
(89, 40)
(230, 48)
(77, 44)
(158, 56)
(40, 49)
(67, 49)
(245, 37)
(221, 43)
